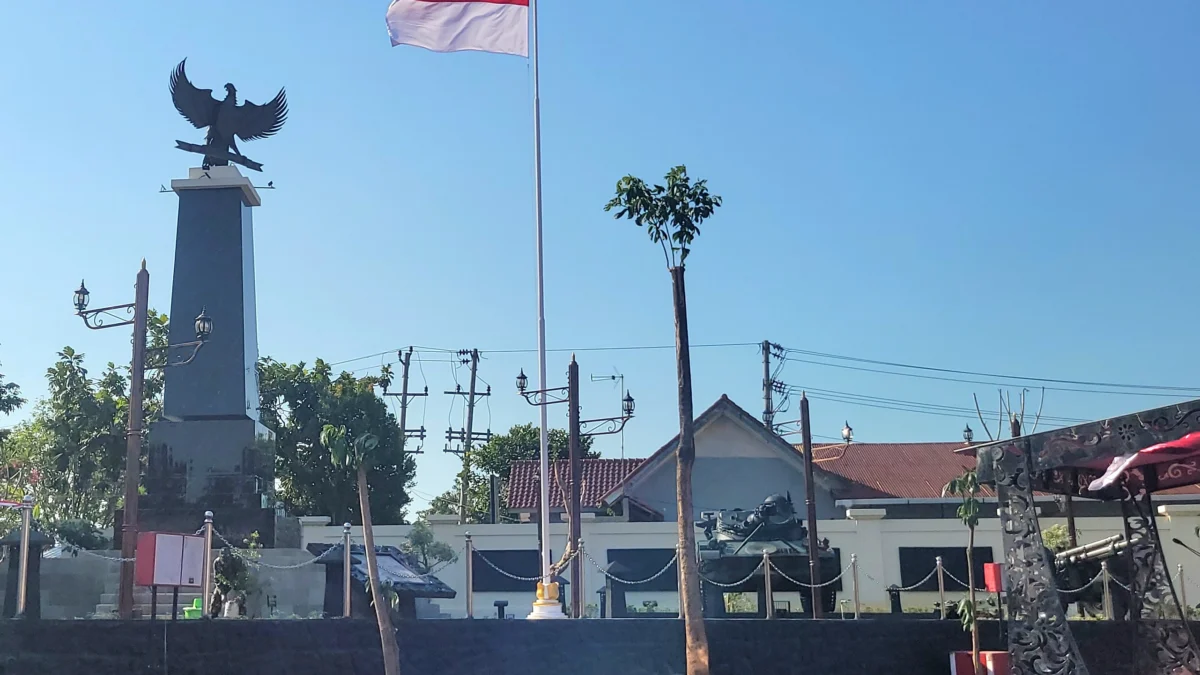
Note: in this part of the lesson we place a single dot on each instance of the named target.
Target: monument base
(547, 605)
(221, 465)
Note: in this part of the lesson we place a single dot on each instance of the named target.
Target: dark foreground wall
(460, 647)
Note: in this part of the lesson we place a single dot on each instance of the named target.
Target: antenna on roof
(615, 377)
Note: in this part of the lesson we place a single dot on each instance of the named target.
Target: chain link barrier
(507, 574)
(823, 584)
(671, 563)
(958, 581)
(736, 583)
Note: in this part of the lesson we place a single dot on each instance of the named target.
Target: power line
(984, 382)
(902, 405)
(1083, 383)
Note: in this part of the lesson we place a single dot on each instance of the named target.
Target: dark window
(918, 561)
(485, 579)
(636, 564)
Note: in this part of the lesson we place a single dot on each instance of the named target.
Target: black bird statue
(226, 120)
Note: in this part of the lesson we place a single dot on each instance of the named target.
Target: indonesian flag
(499, 26)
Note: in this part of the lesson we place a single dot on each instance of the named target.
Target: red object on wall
(169, 559)
(994, 663)
(993, 577)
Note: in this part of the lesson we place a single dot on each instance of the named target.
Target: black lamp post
(848, 433)
(968, 434)
(96, 319)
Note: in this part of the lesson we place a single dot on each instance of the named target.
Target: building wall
(875, 540)
(735, 468)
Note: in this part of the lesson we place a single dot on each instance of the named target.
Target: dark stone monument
(209, 451)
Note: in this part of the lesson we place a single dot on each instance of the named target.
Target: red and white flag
(499, 26)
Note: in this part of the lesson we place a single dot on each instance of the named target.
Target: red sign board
(993, 577)
(168, 559)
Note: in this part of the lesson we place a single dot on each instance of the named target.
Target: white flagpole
(547, 579)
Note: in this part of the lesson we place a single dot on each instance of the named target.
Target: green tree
(10, 396)
(966, 486)
(297, 402)
(71, 454)
(672, 215)
(425, 549)
(1056, 538)
(496, 458)
(358, 454)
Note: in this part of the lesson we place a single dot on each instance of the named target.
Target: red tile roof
(599, 477)
(893, 470)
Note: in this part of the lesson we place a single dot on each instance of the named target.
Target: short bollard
(1108, 607)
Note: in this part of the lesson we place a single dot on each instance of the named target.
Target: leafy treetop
(671, 213)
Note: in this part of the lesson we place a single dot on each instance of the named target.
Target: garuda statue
(226, 120)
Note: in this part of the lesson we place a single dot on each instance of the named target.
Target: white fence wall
(873, 538)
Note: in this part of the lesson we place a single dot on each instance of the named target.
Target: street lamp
(138, 311)
(627, 404)
(968, 434)
(847, 433)
(522, 382)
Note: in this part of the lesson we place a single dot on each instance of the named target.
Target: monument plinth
(209, 451)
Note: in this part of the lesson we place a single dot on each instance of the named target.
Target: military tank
(1075, 567)
(734, 543)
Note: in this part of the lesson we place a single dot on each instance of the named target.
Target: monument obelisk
(210, 452)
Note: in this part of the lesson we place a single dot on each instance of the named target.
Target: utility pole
(405, 398)
(814, 568)
(768, 407)
(467, 435)
(770, 385)
(576, 459)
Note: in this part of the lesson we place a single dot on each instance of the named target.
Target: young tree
(425, 549)
(966, 486)
(672, 215)
(359, 455)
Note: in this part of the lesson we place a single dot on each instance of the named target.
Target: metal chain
(1083, 587)
(647, 580)
(258, 563)
(916, 585)
(1118, 582)
(510, 576)
(960, 582)
(801, 583)
(736, 583)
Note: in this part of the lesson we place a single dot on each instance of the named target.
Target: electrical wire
(983, 382)
(918, 406)
(1022, 378)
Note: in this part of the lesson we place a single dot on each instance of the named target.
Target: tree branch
(979, 412)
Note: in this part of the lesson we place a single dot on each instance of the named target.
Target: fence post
(941, 577)
(470, 553)
(1108, 608)
(1183, 592)
(206, 576)
(679, 576)
(854, 580)
(346, 563)
(768, 592)
(582, 611)
(23, 575)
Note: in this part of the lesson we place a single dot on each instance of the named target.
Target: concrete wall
(628, 646)
(870, 535)
(735, 468)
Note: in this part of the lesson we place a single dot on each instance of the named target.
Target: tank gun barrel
(1097, 550)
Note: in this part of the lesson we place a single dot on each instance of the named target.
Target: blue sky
(1000, 187)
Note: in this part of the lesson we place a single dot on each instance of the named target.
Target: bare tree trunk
(971, 599)
(692, 609)
(387, 634)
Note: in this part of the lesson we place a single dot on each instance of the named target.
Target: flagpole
(546, 605)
